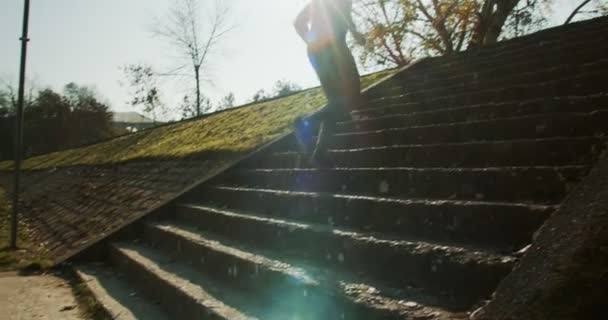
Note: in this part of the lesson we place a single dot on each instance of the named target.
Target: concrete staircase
(438, 186)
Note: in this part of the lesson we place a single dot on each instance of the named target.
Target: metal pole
(19, 124)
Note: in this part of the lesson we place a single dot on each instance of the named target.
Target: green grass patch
(236, 131)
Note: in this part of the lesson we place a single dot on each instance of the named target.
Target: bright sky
(86, 41)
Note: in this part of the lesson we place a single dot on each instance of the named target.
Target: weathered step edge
(398, 115)
(471, 222)
(439, 268)
(114, 294)
(509, 153)
(278, 281)
(174, 286)
(541, 185)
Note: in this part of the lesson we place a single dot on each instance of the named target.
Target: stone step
(587, 84)
(401, 115)
(501, 224)
(181, 290)
(511, 153)
(567, 117)
(531, 72)
(517, 58)
(535, 55)
(546, 185)
(464, 274)
(527, 127)
(555, 51)
(551, 54)
(112, 290)
(284, 287)
(514, 50)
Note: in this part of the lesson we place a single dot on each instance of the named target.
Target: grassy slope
(239, 130)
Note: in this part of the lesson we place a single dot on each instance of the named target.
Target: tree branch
(576, 11)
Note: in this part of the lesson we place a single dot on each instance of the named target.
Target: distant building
(124, 122)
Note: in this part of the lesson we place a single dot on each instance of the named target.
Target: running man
(323, 25)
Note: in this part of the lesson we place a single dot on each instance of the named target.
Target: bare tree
(8, 97)
(285, 87)
(195, 41)
(8, 93)
(145, 91)
(226, 102)
(188, 107)
(260, 95)
(281, 88)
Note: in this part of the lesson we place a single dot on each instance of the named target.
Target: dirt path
(37, 297)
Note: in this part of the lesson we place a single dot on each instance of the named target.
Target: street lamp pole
(19, 125)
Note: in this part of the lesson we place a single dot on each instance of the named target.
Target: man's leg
(326, 66)
(351, 79)
(327, 127)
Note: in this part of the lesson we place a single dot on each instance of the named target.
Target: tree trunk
(490, 21)
(438, 23)
(504, 9)
(198, 90)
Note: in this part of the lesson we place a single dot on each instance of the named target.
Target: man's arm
(301, 23)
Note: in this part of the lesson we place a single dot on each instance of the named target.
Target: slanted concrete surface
(564, 275)
(37, 297)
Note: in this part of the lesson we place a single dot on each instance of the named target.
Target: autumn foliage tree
(398, 31)
(447, 23)
(388, 26)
